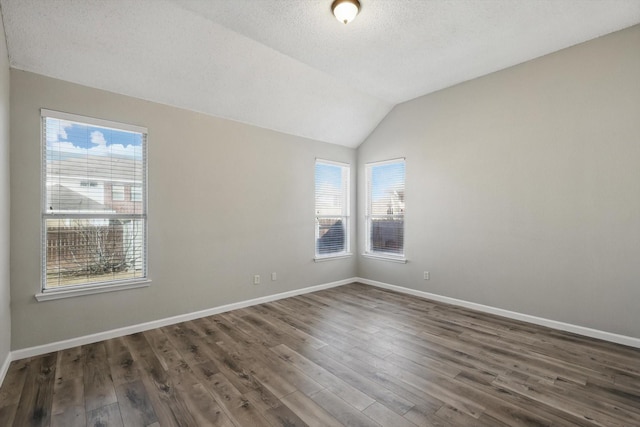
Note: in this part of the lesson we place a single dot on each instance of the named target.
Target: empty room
(319, 213)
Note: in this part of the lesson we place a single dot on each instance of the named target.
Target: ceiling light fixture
(345, 10)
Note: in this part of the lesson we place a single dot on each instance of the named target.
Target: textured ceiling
(289, 65)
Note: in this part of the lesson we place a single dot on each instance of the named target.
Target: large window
(91, 235)
(332, 209)
(385, 209)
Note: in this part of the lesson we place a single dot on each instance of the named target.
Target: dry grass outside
(60, 280)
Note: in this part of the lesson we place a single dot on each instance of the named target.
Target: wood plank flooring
(348, 356)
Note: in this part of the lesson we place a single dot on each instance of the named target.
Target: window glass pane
(331, 235)
(386, 207)
(332, 184)
(387, 235)
(89, 251)
(83, 161)
(94, 224)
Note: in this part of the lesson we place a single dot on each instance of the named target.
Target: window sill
(390, 258)
(50, 294)
(330, 258)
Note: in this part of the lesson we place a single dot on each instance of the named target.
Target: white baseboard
(568, 327)
(101, 336)
(4, 368)
(114, 333)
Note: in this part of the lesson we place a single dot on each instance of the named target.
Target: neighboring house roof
(61, 198)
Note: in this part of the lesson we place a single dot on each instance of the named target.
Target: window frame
(369, 252)
(51, 293)
(346, 212)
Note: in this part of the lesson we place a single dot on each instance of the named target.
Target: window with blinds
(94, 202)
(332, 209)
(385, 208)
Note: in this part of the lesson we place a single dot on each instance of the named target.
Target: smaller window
(332, 209)
(385, 209)
(88, 184)
(117, 192)
(136, 193)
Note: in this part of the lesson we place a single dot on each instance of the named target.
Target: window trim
(346, 253)
(97, 288)
(47, 294)
(368, 252)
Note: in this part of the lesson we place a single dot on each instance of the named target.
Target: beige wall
(5, 314)
(523, 193)
(226, 201)
(523, 187)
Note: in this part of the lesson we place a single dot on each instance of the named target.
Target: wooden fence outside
(71, 248)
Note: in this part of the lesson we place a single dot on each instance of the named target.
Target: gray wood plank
(34, 408)
(354, 355)
(98, 386)
(106, 416)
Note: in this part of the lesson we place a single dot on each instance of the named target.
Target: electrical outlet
(426, 275)
(256, 279)
(274, 277)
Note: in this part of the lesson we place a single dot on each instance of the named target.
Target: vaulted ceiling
(289, 65)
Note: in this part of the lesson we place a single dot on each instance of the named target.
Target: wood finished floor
(354, 356)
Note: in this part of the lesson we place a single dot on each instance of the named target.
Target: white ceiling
(289, 65)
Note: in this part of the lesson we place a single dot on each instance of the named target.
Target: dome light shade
(345, 10)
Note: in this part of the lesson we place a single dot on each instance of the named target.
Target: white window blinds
(94, 201)
(332, 209)
(385, 208)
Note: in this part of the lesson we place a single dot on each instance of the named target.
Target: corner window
(332, 209)
(87, 240)
(385, 209)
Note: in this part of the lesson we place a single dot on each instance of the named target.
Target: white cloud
(97, 138)
(58, 147)
(67, 149)
(58, 130)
